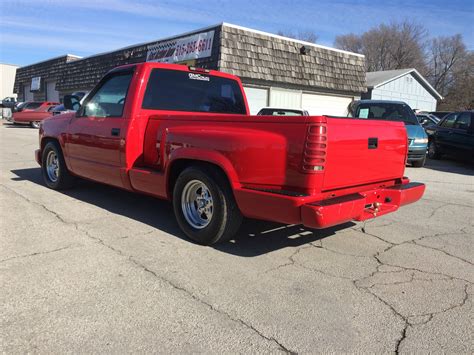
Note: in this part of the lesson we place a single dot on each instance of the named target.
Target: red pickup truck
(185, 134)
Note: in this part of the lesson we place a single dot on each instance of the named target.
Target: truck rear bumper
(327, 213)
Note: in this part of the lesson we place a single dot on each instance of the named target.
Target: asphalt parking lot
(97, 269)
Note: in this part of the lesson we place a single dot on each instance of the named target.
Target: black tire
(419, 163)
(35, 124)
(226, 217)
(433, 151)
(64, 179)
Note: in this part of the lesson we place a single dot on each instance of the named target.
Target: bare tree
(350, 42)
(308, 36)
(459, 95)
(447, 62)
(386, 47)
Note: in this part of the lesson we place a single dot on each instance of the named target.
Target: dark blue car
(454, 136)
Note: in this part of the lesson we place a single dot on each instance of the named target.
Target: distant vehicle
(427, 119)
(8, 102)
(454, 135)
(34, 117)
(34, 105)
(20, 106)
(395, 111)
(271, 111)
(440, 114)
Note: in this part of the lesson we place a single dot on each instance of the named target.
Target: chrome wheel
(35, 124)
(196, 203)
(52, 166)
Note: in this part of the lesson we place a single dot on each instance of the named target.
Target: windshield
(386, 111)
(32, 105)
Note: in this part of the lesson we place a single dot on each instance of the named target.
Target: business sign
(181, 49)
(35, 83)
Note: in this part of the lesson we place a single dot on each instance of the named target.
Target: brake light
(315, 147)
(198, 70)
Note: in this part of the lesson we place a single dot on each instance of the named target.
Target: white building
(7, 80)
(406, 85)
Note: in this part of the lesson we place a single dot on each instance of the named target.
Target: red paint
(318, 171)
(39, 114)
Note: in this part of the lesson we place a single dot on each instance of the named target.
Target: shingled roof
(263, 56)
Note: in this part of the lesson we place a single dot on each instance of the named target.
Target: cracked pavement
(97, 269)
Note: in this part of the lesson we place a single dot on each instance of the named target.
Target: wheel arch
(177, 166)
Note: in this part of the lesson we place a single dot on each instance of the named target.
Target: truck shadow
(254, 238)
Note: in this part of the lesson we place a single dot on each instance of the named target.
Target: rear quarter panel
(254, 151)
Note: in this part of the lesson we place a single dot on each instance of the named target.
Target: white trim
(409, 71)
(47, 60)
(10, 65)
(291, 39)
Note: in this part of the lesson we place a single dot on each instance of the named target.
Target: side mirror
(72, 102)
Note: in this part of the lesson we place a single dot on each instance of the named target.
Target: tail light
(315, 147)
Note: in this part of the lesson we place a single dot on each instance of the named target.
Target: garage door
(27, 94)
(326, 104)
(51, 93)
(257, 99)
(282, 98)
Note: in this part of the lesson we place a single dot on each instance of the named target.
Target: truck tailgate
(363, 151)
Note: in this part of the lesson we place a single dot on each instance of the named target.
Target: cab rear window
(173, 90)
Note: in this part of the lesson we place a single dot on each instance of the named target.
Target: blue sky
(32, 30)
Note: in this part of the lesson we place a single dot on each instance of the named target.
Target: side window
(463, 121)
(109, 99)
(449, 121)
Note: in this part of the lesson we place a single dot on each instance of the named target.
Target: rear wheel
(205, 207)
(433, 151)
(55, 173)
(35, 124)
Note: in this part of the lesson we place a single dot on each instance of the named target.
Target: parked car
(271, 111)
(34, 117)
(439, 114)
(395, 111)
(34, 105)
(454, 135)
(185, 134)
(427, 119)
(8, 102)
(20, 106)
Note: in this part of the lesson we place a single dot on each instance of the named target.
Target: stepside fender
(246, 155)
(202, 155)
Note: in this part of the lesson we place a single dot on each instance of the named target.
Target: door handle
(115, 132)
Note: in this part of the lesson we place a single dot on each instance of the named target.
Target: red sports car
(33, 117)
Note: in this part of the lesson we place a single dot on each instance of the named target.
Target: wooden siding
(262, 58)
